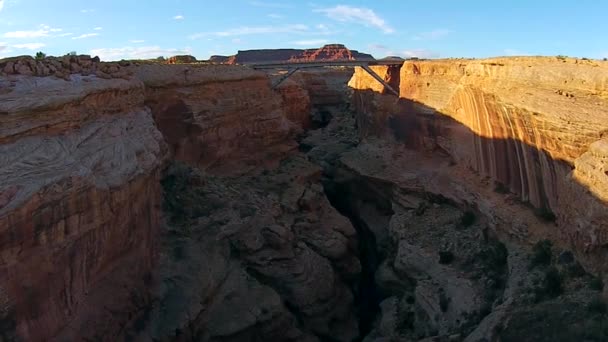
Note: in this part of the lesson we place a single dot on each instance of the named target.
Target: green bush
(40, 55)
(552, 284)
(545, 214)
(468, 218)
(446, 257)
(596, 283)
(541, 253)
(597, 306)
(501, 188)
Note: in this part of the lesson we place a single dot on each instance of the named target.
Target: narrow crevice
(343, 197)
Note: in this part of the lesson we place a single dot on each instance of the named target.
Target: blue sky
(115, 29)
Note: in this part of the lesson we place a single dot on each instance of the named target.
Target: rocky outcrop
(254, 258)
(327, 52)
(79, 196)
(62, 67)
(522, 122)
(222, 118)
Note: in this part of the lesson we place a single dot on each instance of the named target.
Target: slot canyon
(187, 202)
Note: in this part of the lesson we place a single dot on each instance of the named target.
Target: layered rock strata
(534, 126)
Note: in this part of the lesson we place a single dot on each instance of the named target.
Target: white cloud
(359, 15)
(432, 35)
(86, 35)
(420, 53)
(269, 4)
(275, 16)
(130, 52)
(137, 41)
(248, 30)
(1, 4)
(42, 31)
(98, 28)
(236, 40)
(87, 10)
(65, 34)
(378, 47)
(311, 42)
(27, 34)
(29, 46)
(178, 17)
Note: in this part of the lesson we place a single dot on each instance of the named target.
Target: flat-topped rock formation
(325, 53)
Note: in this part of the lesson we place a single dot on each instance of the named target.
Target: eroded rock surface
(260, 257)
(80, 164)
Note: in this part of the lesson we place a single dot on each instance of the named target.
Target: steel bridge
(292, 67)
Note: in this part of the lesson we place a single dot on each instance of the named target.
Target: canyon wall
(80, 166)
(221, 118)
(81, 158)
(535, 127)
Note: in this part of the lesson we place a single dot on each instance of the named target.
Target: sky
(117, 29)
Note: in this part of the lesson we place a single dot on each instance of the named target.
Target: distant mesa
(392, 58)
(331, 52)
(181, 59)
(218, 59)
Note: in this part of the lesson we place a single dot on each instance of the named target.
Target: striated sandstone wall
(79, 197)
(80, 161)
(523, 122)
(221, 118)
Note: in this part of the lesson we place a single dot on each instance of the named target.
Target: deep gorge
(210, 207)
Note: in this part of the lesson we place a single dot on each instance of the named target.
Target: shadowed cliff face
(533, 127)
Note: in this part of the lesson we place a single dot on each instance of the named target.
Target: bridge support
(373, 74)
(284, 77)
(293, 67)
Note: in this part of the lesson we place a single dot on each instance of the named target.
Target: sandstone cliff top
(159, 75)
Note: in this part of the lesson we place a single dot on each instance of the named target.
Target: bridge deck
(293, 67)
(345, 63)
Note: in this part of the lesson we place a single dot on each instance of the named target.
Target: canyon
(190, 202)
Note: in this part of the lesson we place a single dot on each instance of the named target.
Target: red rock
(327, 52)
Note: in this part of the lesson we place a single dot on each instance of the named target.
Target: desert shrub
(444, 301)
(468, 218)
(501, 188)
(596, 283)
(541, 253)
(40, 55)
(552, 284)
(545, 214)
(575, 270)
(446, 257)
(597, 306)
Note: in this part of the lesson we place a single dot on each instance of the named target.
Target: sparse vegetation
(444, 301)
(605, 59)
(597, 306)
(545, 214)
(541, 253)
(596, 283)
(468, 218)
(446, 257)
(40, 55)
(500, 188)
(553, 282)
